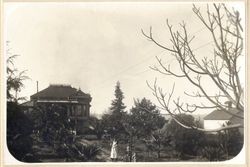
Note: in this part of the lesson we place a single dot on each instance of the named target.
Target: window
(78, 110)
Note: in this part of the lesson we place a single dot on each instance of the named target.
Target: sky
(93, 45)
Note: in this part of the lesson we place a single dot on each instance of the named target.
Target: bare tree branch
(221, 70)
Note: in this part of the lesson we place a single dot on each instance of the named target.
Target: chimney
(36, 86)
(229, 104)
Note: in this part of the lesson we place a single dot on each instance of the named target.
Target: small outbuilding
(219, 118)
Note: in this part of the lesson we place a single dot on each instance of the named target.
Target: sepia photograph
(124, 82)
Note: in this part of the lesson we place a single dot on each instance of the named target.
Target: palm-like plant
(14, 79)
(89, 152)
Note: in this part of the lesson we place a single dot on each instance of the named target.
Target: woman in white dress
(113, 154)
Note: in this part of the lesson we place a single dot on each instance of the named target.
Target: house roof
(28, 104)
(59, 92)
(221, 115)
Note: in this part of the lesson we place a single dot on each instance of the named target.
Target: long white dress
(113, 154)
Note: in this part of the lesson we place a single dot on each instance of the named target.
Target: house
(219, 118)
(76, 102)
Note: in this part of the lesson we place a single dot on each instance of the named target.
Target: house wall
(78, 110)
(214, 124)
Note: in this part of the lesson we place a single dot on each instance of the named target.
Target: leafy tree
(14, 80)
(53, 124)
(220, 69)
(161, 138)
(145, 118)
(19, 126)
(186, 141)
(56, 130)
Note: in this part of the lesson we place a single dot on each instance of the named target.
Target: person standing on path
(113, 154)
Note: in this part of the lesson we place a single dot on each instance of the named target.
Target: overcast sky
(94, 45)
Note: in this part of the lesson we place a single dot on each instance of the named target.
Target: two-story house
(74, 100)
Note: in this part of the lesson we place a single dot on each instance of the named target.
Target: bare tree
(221, 69)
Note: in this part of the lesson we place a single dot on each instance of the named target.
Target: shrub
(232, 140)
(89, 152)
(185, 141)
(19, 130)
(227, 142)
(97, 127)
(212, 153)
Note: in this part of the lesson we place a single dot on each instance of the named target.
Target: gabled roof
(79, 93)
(221, 115)
(59, 92)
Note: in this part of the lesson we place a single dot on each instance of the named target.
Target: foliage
(222, 145)
(231, 140)
(145, 118)
(142, 122)
(57, 130)
(53, 124)
(14, 80)
(17, 121)
(117, 106)
(161, 139)
(235, 142)
(186, 141)
(113, 124)
(213, 153)
(113, 120)
(78, 152)
(90, 152)
(19, 126)
(97, 127)
(19, 129)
